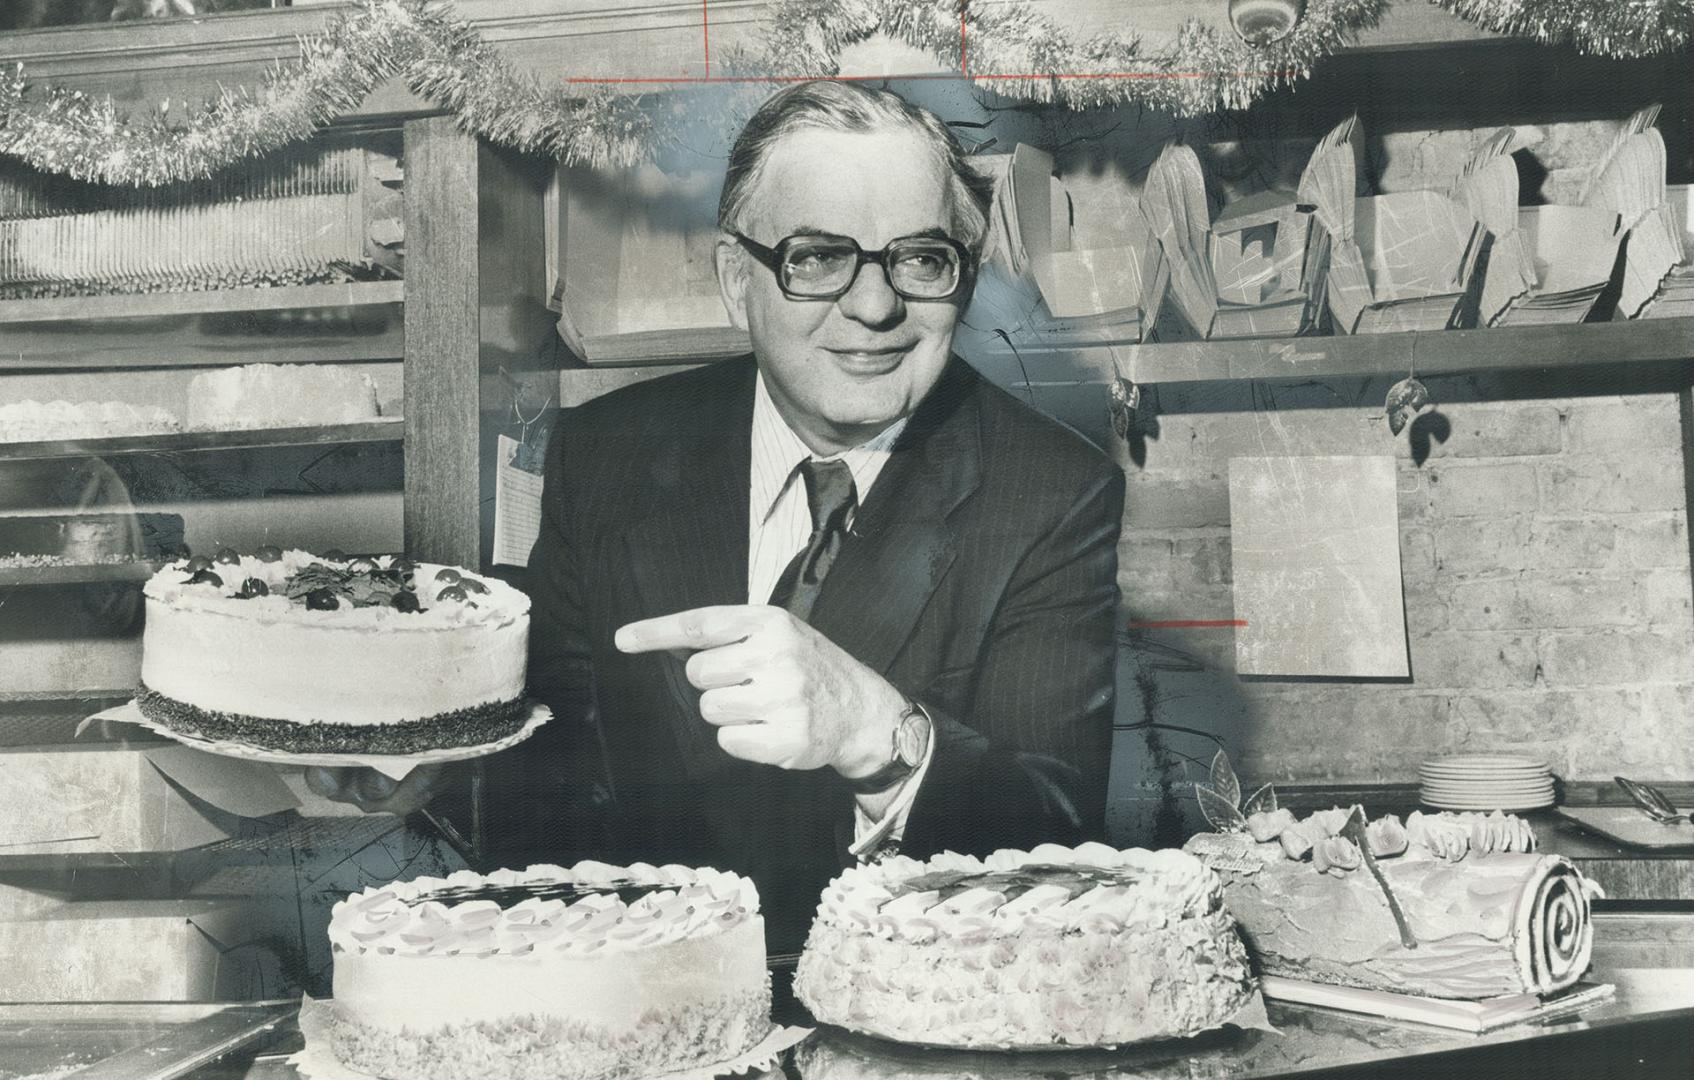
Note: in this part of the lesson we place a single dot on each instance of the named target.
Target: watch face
(913, 738)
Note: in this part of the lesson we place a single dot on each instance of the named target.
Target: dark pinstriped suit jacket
(980, 579)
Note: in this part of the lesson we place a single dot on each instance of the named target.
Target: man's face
(840, 371)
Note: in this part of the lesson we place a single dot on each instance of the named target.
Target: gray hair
(851, 107)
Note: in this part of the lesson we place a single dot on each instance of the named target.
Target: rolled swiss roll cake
(1485, 917)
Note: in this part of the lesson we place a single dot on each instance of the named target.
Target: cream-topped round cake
(291, 651)
(592, 973)
(1086, 946)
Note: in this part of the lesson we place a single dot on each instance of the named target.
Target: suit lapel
(901, 544)
(687, 548)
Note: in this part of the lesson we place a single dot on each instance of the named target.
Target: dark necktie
(831, 498)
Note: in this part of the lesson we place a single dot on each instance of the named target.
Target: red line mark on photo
(687, 79)
(1186, 624)
(706, 33)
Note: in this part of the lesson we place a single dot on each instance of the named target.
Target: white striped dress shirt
(778, 527)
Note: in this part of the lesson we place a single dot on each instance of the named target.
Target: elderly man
(840, 596)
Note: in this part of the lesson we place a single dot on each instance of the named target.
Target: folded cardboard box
(1037, 288)
(1629, 181)
(1399, 261)
(1240, 275)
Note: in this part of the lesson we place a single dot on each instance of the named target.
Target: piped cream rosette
(401, 918)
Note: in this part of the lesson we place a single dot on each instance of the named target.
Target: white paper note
(517, 508)
(1316, 555)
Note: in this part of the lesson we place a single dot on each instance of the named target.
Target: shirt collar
(778, 451)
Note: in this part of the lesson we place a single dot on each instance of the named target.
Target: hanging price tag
(517, 506)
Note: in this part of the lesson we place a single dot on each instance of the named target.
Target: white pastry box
(630, 253)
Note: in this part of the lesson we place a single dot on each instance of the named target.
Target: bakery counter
(136, 1040)
(1645, 1031)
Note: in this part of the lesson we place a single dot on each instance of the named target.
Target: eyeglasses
(820, 267)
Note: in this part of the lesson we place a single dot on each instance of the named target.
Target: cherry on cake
(279, 395)
(597, 972)
(294, 652)
(1086, 946)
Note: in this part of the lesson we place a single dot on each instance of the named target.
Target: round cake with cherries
(597, 972)
(1086, 946)
(301, 653)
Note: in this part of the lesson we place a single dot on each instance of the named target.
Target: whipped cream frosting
(1084, 946)
(276, 659)
(501, 604)
(1276, 836)
(1051, 889)
(675, 903)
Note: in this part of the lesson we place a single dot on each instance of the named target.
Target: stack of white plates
(1486, 782)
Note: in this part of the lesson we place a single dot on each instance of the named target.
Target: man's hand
(373, 792)
(779, 692)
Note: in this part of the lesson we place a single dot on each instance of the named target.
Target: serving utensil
(1652, 802)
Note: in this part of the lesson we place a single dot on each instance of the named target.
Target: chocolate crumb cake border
(475, 726)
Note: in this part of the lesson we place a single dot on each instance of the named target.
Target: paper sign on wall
(1316, 554)
(517, 507)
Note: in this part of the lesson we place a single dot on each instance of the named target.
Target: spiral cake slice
(597, 972)
(1086, 946)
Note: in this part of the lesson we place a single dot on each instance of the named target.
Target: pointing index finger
(696, 628)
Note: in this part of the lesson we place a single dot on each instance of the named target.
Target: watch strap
(898, 769)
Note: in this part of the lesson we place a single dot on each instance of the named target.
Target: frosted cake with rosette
(598, 972)
(290, 651)
(1086, 946)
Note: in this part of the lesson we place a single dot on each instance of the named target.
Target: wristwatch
(912, 733)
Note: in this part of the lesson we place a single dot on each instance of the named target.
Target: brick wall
(1545, 567)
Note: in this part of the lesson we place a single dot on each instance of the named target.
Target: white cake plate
(317, 1062)
(1251, 1016)
(395, 766)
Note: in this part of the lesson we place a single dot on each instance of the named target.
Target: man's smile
(875, 361)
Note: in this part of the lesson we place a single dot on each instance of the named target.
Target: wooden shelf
(354, 321)
(205, 302)
(1447, 352)
(387, 429)
(74, 574)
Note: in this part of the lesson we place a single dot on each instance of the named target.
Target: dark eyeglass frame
(774, 257)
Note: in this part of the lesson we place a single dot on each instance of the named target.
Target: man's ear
(732, 279)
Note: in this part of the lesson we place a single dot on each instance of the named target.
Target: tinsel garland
(1620, 28)
(1010, 48)
(440, 58)
(1018, 52)
(446, 62)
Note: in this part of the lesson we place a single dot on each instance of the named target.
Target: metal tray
(129, 1041)
(1631, 827)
